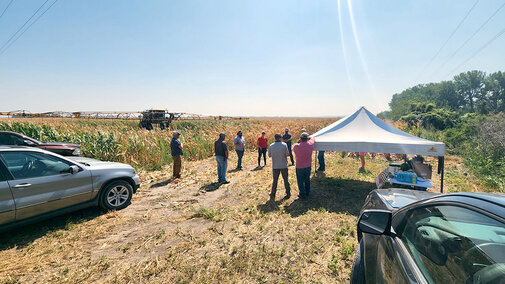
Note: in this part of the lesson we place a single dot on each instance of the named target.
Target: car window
(452, 244)
(9, 139)
(23, 164)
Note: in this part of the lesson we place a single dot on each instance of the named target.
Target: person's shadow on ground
(270, 206)
(162, 183)
(333, 195)
(258, 168)
(211, 186)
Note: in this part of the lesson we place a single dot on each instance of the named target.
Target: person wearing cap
(262, 148)
(239, 142)
(176, 149)
(303, 156)
(279, 152)
(286, 138)
(221, 151)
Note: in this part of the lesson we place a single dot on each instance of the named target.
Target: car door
(42, 182)
(452, 243)
(390, 264)
(7, 208)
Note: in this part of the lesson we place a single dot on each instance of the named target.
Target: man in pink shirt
(303, 156)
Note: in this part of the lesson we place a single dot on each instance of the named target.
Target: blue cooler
(406, 177)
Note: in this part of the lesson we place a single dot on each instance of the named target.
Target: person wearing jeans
(303, 157)
(286, 138)
(303, 181)
(320, 159)
(262, 148)
(279, 152)
(221, 151)
(239, 142)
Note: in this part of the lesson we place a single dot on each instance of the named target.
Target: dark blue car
(408, 236)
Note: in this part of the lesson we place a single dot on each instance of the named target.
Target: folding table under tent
(364, 132)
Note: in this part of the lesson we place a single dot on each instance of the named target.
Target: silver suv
(37, 184)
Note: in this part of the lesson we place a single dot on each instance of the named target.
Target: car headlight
(76, 152)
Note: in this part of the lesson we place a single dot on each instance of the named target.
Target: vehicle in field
(37, 184)
(17, 139)
(151, 117)
(408, 236)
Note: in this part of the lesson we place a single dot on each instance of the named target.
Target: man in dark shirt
(176, 147)
(286, 138)
(221, 151)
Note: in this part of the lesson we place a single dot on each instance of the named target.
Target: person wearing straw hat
(303, 156)
(176, 149)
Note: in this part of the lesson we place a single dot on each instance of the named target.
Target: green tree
(495, 91)
(448, 96)
(470, 86)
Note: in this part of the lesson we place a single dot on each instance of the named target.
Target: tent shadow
(332, 195)
(211, 186)
(23, 236)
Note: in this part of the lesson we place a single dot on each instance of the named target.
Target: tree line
(468, 92)
(467, 113)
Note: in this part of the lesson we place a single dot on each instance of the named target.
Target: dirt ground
(195, 230)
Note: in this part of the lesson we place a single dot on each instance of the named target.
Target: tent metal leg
(441, 167)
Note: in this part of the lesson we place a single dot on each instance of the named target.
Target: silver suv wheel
(116, 195)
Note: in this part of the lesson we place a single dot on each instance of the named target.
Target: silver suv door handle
(22, 185)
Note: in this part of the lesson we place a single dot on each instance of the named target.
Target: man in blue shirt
(286, 138)
(176, 147)
(221, 151)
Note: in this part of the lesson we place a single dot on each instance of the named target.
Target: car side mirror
(29, 143)
(376, 222)
(74, 169)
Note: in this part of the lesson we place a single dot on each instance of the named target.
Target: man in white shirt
(279, 153)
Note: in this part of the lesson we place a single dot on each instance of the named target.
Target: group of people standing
(279, 152)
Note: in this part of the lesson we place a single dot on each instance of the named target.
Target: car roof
(496, 198)
(399, 198)
(16, 147)
(12, 132)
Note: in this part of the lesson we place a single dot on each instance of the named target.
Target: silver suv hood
(93, 164)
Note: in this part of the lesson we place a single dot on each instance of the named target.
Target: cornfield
(123, 141)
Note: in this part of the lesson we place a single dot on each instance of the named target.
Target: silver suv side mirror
(376, 222)
(74, 169)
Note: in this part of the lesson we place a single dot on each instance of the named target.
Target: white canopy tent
(364, 132)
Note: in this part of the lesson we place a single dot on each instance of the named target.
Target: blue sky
(272, 58)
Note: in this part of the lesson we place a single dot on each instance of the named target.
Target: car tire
(358, 268)
(149, 126)
(116, 195)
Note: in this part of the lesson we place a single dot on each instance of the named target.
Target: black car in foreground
(408, 236)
